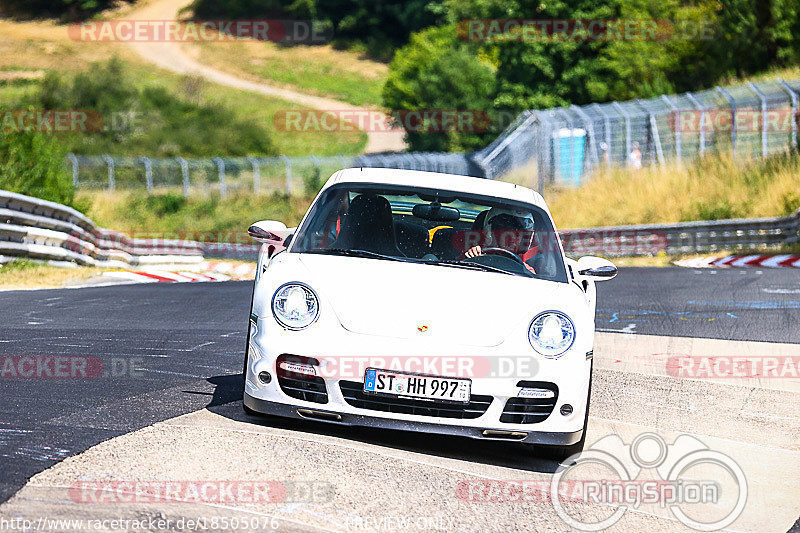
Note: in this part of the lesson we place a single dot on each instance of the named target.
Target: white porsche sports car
(427, 302)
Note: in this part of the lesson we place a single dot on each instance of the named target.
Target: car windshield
(435, 227)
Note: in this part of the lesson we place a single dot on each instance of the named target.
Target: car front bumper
(322, 414)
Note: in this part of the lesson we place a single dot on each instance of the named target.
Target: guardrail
(39, 229)
(684, 237)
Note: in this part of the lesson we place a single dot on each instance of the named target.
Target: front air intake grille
(301, 386)
(530, 410)
(354, 395)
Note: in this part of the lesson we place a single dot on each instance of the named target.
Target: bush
(150, 120)
(33, 164)
(436, 72)
(312, 182)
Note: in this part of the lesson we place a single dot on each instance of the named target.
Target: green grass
(246, 107)
(170, 213)
(262, 110)
(320, 70)
(18, 265)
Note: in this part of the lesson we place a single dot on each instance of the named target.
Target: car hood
(407, 300)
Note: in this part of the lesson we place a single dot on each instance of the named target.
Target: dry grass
(46, 45)
(714, 188)
(788, 73)
(23, 274)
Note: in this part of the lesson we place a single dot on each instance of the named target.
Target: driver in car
(509, 230)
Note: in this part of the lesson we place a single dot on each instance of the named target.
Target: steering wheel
(498, 251)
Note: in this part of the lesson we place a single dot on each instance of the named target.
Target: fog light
(264, 377)
(566, 409)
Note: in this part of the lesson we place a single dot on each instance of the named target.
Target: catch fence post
(732, 103)
(184, 174)
(288, 164)
(700, 107)
(256, 174)
(221, 175)
(74, 160)
(148, 173)
(763, 98)
(793, 96)
(607, 128)
(627, 118)
(110, 162)
(677, 126)
(654, 134)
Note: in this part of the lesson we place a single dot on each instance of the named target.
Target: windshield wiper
(355, 253)
(470, 266)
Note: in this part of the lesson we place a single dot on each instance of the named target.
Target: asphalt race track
(736, 303)
(164, 350)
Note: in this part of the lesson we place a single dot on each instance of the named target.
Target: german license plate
(410, 385)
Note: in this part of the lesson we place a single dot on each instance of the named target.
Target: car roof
(437, 180)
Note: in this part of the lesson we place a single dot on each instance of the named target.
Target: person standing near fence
(635, 157)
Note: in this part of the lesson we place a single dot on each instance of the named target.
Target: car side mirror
(596, 268)
(269, 232)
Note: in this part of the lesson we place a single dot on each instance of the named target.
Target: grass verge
(321, 70)
(171, 213)
(713, 188)
(23, 274)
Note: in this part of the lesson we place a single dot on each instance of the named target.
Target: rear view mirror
(269, 232)
(596, 268)
(436, 212)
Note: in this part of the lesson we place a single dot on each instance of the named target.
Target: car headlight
(551, 333)
(295, 306)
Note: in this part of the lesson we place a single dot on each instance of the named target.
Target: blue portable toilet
(568, 151)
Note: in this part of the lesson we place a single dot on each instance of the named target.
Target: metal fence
(564, 145)
(219, 175)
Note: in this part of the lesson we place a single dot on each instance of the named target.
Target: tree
(382, 25)
(436, 73)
